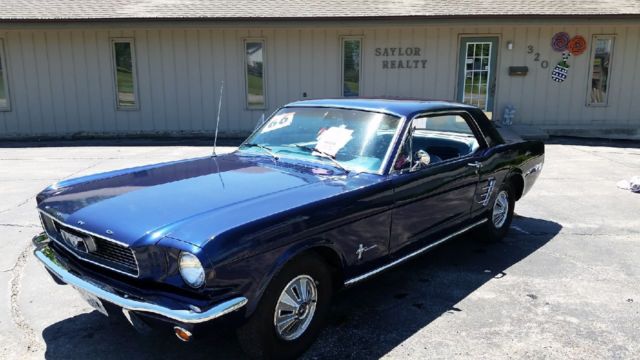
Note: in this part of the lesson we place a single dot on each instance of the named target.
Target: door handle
(475, 164)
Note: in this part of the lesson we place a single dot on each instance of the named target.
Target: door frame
(493, 67)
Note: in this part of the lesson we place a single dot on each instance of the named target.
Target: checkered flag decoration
(561, 70)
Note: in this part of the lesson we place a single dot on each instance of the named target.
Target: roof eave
(326, 18)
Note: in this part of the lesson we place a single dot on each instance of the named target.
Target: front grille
(116, 253)
(106, 253)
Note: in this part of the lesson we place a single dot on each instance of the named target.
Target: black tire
(491, 231)
(258, 336)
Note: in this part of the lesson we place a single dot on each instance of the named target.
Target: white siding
(61, 80)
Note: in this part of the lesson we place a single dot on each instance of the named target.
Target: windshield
(351, 139)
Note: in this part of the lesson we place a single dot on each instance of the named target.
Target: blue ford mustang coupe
(324, 194)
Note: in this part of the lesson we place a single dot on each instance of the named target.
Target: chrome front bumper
(47, 256)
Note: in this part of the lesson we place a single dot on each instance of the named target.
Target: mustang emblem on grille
(84, 244)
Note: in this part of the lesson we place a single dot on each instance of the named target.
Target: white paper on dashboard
(333, 139)
(278, 122)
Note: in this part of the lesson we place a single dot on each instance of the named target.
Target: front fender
(271, 263)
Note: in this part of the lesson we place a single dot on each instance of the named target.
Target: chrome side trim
(409, 256)
(486, 196)
(73, 252)
(44, 254)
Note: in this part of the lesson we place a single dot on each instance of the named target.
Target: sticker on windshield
(278, 122)
(333, 139)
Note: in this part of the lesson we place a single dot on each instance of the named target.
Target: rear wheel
(291, 312)
(500, 215)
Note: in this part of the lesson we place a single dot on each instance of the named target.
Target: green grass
(125, 88)
(255, 84)
(2, 93)
(353, 86)
(125, 81)
(468, 88)
(256, 90)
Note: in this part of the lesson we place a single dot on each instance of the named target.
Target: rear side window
(435, 139)
(444, 123)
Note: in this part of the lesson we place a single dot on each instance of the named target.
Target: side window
(444, 123)
(124, 64)
(4, 86)
(600, 69)
(351, 72)
(434, 139)
(254, 73)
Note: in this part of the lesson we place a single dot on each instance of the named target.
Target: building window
(351, 69)
(4, 85)
(254, 59)
(124, 62)
(600, 70)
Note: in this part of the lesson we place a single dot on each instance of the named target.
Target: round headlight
(191, 270)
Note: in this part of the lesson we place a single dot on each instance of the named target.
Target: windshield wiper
(260, 146)
(324, 155)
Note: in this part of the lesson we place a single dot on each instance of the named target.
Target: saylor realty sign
(401, 58)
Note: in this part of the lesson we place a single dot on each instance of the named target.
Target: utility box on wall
(518, 70)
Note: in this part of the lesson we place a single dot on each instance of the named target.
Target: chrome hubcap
(295, 307)
(500, 209)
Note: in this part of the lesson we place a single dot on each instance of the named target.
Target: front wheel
(291, 311)
(500, 215)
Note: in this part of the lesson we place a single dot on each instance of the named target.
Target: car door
(492, 169)
(435, 198)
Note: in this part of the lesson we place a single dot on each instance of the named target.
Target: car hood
(139, 206)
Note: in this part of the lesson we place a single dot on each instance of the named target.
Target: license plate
(94, 301)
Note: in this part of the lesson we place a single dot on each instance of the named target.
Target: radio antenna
(215, 136)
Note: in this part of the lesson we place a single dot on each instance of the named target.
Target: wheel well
(326, 254)
(332, 259)
(517, 184)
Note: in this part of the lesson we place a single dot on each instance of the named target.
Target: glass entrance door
(476, 71)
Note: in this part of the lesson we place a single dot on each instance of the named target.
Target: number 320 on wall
(536, 57)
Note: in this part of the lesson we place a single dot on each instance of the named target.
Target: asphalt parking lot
(564, 284)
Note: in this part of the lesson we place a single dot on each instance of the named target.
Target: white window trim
(115, 73)
(246, 73)
(360, 77)
(5, 74)
(592, 55)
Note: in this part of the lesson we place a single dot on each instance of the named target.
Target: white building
(127, 67)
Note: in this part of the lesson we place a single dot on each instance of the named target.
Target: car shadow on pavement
(367, 321)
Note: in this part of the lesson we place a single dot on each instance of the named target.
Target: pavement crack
(64, 178)
(29, 334)
(20, 226)
(601, 156)
(9, 269)
(82, 170)
(19, 205)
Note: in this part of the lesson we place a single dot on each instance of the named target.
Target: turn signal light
(182, 334)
